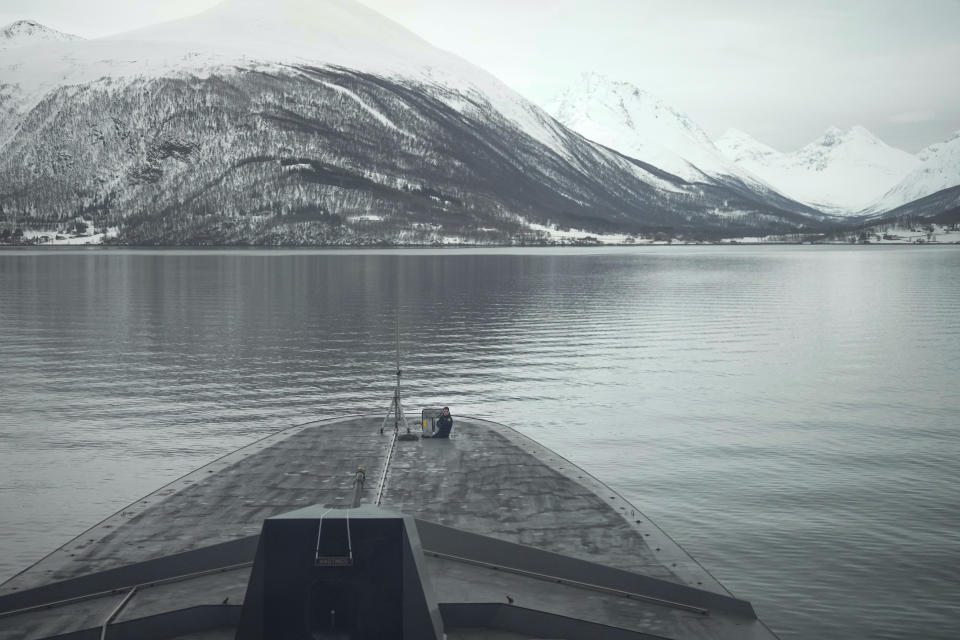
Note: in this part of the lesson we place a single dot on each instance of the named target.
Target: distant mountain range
(322, 122)
(938, 170)
(846, 173)
(289, 122)
(842, 172)
(855, 174)
(622, 116)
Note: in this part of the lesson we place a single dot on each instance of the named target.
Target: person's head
(446, 411)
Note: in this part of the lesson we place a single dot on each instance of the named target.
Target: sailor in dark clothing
(444, 424)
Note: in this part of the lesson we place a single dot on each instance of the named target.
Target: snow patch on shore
(579, 235)
(54, 238)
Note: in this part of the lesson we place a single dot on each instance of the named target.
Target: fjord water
(788, 414)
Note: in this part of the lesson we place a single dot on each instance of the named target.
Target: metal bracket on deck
(358, 483)
(116, 611)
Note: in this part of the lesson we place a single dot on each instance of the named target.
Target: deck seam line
(115, 590)
(569, 581)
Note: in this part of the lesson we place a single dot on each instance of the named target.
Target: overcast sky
(781, 71)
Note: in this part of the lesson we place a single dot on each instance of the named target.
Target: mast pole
(395, 407)
(396, 417)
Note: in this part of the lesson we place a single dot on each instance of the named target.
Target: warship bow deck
(509, 540)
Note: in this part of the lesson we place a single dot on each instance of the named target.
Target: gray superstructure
(500, 538)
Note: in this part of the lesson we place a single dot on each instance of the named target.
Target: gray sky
(781, 71)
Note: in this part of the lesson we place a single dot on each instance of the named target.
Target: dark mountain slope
(326, 155)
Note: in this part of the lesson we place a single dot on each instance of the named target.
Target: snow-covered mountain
(842, 172)
(624, 117)
(263, 34)
(27, 32)
(316, 121)
(939, 169)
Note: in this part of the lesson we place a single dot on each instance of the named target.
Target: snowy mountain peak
(859, 147)
(638, 124)
(935, 149)
(339, 31)
(244, 33)
(835, 137)
(271, 34)
(840, 172)
(27, 32)
(863, 133)
(590, 81)
(831, 137)
(593, 90)
(939, 169)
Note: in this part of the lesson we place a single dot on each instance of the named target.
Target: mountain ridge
(938, 170)
(633, 121)
(842, 172)
(313, 162)
(179, 143)
(259, 34)
(21, 33)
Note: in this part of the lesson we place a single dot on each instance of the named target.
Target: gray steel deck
(486, 479)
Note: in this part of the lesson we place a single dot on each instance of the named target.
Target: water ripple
(788, 414)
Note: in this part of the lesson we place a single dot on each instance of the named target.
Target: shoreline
(455, 247)
(939, 234)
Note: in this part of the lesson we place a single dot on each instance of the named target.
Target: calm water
(790, 415)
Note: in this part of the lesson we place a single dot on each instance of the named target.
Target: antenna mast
(395, 407)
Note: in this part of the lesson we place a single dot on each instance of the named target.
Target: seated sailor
(444, 424)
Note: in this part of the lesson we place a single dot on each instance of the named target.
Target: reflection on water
(787, 414)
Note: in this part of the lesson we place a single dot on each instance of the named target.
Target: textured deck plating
(487, 478)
